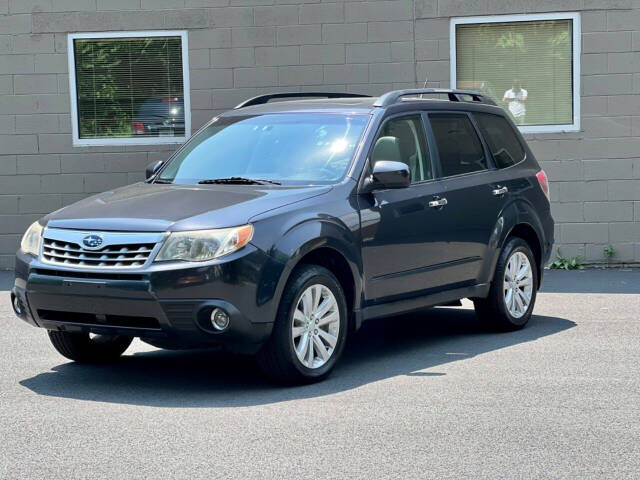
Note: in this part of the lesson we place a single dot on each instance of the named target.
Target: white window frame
(577, 42)
(87, 142)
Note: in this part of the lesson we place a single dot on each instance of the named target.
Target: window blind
(506, 59)
(128, 87)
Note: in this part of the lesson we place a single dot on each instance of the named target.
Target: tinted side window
(458, 144)
(403, 140)
(502, 140)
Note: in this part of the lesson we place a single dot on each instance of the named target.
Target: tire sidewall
(312, 276)
(515, 245)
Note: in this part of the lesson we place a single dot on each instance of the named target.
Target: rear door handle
(500, 191)
(440, 202)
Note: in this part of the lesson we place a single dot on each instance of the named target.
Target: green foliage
(609, 251)
(562, 263)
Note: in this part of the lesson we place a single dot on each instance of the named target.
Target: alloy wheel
(518, 284)
(315, 326)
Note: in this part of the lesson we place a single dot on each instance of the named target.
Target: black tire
(277, 358)
(81, 348)
(493, 310)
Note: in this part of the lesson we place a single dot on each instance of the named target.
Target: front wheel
(86, 348)
(513, 290)
(310, 329)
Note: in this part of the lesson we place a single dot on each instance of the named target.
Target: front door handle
(500, 191)
(440, 202)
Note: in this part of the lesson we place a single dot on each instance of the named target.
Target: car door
(473, 202)
(402, 242)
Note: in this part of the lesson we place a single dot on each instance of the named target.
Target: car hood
(146, 207)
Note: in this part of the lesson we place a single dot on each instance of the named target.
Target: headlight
(32, 239)
(202, 245)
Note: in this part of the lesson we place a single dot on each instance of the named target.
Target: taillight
(544, 182)
(137, 128)
(170, 99)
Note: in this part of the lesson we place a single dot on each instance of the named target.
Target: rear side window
(503, 143)
(458, 144)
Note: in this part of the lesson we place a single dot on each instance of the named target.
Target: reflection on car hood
(156, 207)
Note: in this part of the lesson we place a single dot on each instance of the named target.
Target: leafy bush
(562, 263)
(609, 251)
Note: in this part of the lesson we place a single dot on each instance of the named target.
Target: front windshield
(290, 148)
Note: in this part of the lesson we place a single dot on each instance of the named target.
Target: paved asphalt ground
(429, 395)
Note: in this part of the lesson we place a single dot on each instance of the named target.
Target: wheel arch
(519, 218)
(327, 244)
(526, 232)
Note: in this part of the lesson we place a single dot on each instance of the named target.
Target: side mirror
(152, 168)
(388, 174)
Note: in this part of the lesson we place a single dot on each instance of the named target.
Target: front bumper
(166, 304)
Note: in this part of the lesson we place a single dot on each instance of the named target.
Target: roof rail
(395, 96)
(262, 99)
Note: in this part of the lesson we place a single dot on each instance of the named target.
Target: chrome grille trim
(119, 250)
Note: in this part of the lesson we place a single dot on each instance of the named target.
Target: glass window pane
(295, 148)
(501, 138)
(525, 66)
(403, 140)
(129, 87)
(458, 144)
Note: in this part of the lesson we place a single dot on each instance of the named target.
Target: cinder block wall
(240, 48)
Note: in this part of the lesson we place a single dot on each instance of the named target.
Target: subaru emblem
(92, 241)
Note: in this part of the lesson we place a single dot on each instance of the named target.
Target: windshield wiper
(240, 181)
(161, 180)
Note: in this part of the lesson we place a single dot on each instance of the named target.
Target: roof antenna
(426, 79)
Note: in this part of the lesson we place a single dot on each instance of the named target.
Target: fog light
(219, 319)
(17, 306)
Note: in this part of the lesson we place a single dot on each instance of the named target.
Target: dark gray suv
(280, 227)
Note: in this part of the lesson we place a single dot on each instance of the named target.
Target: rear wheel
(86, 348)
(513, 290)
(310, 330)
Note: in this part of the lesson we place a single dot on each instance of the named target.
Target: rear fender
(517, 212)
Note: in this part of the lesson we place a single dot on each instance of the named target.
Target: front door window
(403, 140)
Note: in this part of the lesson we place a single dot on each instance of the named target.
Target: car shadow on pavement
(384, 348)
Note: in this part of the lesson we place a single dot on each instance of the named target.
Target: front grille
(118, 256)
(149, 323)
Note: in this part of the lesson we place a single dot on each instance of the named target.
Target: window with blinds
(129, 88)
(527, 66)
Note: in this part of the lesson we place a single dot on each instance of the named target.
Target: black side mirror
(152, 168)
(388, 174)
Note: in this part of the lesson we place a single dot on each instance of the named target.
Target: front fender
(312, 235)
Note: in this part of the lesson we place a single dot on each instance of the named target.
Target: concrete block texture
(299, 35)
(301, 75)
(7, 124)
(322, 54)
(329, 13)
(275, 56)
(242, 48)
(379, 11)
(608, 211)
(231, 57)
(622, 253)
(584, 233)
(609, 169)
(276, 15)
(231, 17)
(624, 231)
(347, 33)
